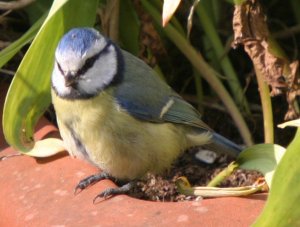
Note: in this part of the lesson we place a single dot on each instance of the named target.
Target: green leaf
(29, 94)
(223, 174)
(263, 158)
(282, 207)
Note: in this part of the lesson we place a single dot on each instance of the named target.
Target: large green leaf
(29, 94)
(282, 208)
(263, 158)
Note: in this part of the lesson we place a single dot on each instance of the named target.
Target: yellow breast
(97, 129)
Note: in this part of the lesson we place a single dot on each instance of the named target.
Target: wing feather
(145, 96)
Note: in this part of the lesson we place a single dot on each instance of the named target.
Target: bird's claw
(105, 194)
(115, 191)
(78, 189)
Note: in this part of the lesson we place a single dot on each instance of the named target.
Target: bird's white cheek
(59, 83)
(101, 74)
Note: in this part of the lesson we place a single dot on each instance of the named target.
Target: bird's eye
(90, 62)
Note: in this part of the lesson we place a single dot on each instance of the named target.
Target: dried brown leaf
(251, 31)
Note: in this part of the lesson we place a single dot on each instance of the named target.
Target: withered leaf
(251, 31)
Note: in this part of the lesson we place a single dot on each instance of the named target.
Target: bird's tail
(220, 144)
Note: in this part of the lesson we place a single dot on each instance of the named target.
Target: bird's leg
(83, 184)
(124, 189)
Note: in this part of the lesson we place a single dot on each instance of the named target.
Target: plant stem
(231, 76)
(114, 9)
(266, 104)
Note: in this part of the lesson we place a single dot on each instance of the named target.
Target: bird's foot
(86, 182)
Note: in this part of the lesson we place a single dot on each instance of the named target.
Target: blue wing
(145, 96)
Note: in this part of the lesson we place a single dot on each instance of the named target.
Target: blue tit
(114, 111)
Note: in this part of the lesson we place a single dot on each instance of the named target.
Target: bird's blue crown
(78, 41)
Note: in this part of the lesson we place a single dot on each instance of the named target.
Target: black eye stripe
(88, 64)
(91, 61)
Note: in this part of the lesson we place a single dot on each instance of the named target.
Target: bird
(114, 111)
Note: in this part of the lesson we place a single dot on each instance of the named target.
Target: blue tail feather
(224, 145)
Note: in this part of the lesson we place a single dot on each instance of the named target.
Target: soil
(161, 187)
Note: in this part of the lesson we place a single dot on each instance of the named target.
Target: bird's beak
(70, 79)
